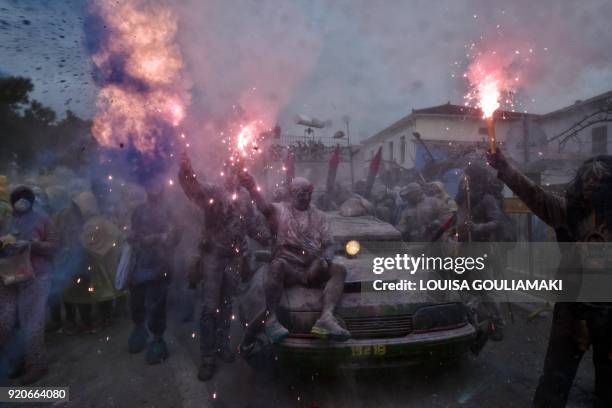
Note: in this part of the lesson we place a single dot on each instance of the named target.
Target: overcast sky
(371, 60)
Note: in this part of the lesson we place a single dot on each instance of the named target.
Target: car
(388, 328)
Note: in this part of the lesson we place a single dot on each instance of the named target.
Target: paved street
(101, 373)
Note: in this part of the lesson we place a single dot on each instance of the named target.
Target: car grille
(379, 326)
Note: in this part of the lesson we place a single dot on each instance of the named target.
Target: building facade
(548, 146)
(445, 123)
(581, 128)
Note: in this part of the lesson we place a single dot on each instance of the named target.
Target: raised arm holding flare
(583, 215)
(229, 218)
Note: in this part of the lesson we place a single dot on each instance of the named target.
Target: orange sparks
(489, 96)
(247, 138)
(488, 79)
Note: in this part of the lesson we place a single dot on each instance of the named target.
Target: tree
(30, 130)
(39, 114)
(14, 91)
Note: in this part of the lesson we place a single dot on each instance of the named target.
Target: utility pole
(525, 139)
(530, 215)
(348, 140)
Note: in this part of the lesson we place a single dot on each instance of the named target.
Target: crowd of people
(72, 233)
(76, 236)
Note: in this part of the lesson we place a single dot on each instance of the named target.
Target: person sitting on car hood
(303, 252)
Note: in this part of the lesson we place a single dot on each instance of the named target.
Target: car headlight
(352, 248)
(439, 317)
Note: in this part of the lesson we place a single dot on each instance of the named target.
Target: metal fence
(287, 140)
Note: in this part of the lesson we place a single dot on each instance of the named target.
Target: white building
(548, 146)
(567, 137)
(445, 123)
(581, 128)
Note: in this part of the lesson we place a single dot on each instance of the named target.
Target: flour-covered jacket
(152, 261)
(302, 236)
(36, 227)
(230, 216)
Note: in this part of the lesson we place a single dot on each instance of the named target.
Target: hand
(246, 180)
(465, 228)
(497, 160)
(185, 162)
(469, 224)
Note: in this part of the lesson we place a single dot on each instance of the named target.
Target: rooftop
(447, 110)
(605, 97)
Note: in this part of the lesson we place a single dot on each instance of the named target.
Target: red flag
(289, 167)
(334, 160)
(375, 163)
(374, 166)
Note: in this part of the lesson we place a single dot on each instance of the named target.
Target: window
(599, 140)
(402, 149)
(391, 151)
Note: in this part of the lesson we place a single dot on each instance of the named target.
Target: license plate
(369, 351)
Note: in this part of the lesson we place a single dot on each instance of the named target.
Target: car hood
(359, 298)
(363, 228)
